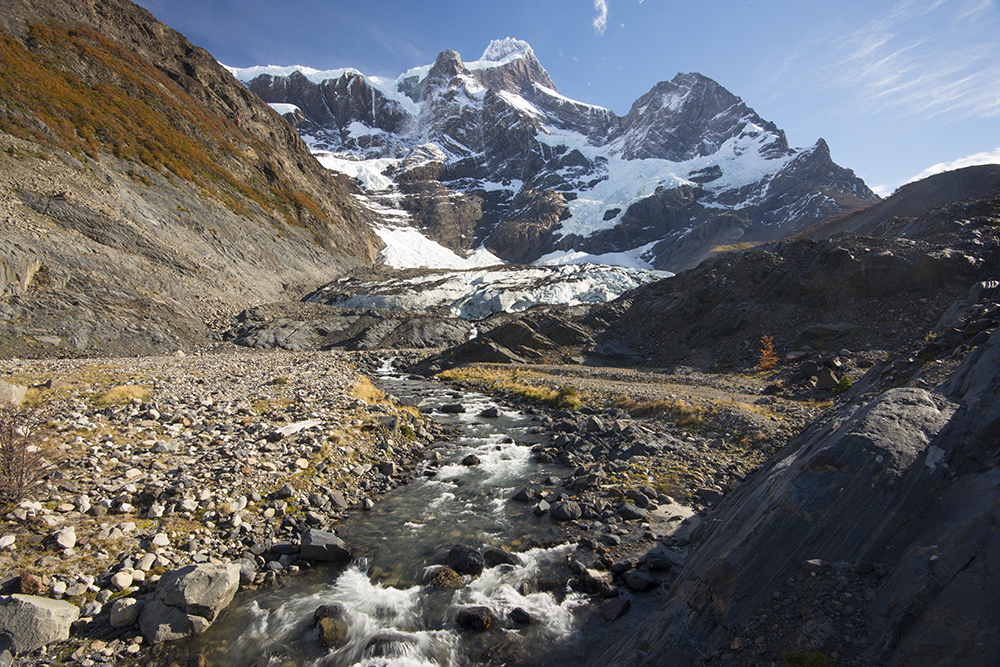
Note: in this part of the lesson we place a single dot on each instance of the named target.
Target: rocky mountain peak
(501, 49)
(690, 116)
(510, 64)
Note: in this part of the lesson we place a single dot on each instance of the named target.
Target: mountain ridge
(506, 137)
(142, 200)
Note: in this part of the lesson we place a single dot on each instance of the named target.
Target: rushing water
(392, 619)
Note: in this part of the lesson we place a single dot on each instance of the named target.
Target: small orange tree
(767, 359)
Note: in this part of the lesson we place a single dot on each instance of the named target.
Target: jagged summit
(501, 49)
(537, 177)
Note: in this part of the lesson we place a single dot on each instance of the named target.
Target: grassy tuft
(516, 382)
(125, 393)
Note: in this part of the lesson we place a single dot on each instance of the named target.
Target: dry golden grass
(681, 412)
(515, 381)
(122, 394)
(365, 390)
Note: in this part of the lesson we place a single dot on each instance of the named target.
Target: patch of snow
(520, 104)
(368, 172)
(284, 108)
(359, 129)
(562, 98)
(407, 248)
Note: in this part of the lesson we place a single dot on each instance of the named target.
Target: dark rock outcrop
(908, 479)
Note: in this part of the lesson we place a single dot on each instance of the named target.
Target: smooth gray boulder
(188, 600)
(33, 622)
(325, 546)
(124, 612)
(11, 395)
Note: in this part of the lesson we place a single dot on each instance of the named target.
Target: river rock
(124, 612)
(597, 582)
(521, 616)
(332, 632)
(121, 580)
(330, 621)
(187, 601)
(491, 413)
(630, 512)
(442, 577)
(638, 498)
(30, 584)
(65, 538)
(525, 494)
(33, 622)
(11, 395)
(496, 556)
(324, 546)
(465, 559)
(612, 610)
(452, 408)
(476, 618)
(566, 510)
(640, 581)
(471, 460)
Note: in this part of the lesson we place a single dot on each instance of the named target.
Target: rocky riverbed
(158, 463)
(169, 462)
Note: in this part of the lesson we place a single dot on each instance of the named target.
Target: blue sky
(899, 89)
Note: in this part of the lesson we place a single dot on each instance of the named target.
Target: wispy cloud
(926, 58)
(988, 157)
(601, 20)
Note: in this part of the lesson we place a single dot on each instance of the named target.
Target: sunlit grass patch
(121, 394)
(517, 382)
(680, 412)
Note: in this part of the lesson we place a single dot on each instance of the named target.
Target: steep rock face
(504, 134)
(907, 479)
(687, 117)
(148, 189)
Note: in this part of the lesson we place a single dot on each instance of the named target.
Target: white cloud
(601, 20)
(922, 58)
(988, 157)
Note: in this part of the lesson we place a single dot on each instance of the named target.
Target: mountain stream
(394, 620)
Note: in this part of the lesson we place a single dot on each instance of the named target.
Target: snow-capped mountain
(489, 154)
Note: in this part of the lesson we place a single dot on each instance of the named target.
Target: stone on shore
(567, 510)
(11, 395)
(124, 612)
(324, 546)
(33, 622)
(188, 600)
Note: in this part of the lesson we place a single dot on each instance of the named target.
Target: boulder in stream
(331, 623)
(442, 577)
(475, 618)
(324, 546)
(496, 556)
(465, 559)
